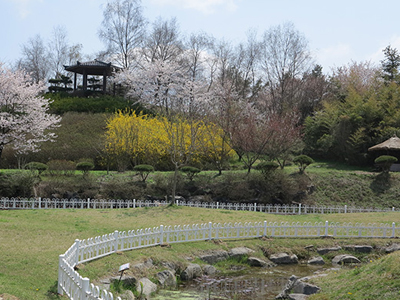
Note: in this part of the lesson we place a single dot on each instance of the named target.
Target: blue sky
(338, 31)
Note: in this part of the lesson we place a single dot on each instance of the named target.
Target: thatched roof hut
(392, 144)
(388, 147)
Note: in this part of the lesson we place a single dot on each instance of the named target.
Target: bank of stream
(254, 284)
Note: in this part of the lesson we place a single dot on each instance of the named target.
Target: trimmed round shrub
(85, 167)
(143, 170)
(190, 171)
(36, 166)
(303, 161)
(266, 167)
(385, 162)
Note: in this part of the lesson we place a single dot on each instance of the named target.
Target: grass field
(31, 240)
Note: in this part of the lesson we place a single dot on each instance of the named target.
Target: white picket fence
(55, 203)
(76, 287)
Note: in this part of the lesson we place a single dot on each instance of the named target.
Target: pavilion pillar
(84, 80)
(104, 81)
(74, 81)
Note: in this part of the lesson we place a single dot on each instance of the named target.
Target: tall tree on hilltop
(35, 59)
(285, 59)
(123, 29)
(391, 64)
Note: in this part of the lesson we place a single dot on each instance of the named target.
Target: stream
(254, 284)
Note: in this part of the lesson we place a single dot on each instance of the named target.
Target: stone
(345, 259)
(145, 287)
(127, 295)
(322, 251)
(209, 270)
(147, 264)
(288, 287)
(392, 248)
(284, 258)
(257, 262)
(359, 248)
(318, 260)
(192, 271)
(296, 287)
(214, 256)
(301, 287)
(297, 297)
(240, 252)
(166, 278)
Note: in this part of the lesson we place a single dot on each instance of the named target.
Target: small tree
(385, 162)
(303, 161)
(36, 166)
(143, 171)
(85, 167)
(266, 167)
(190, 171)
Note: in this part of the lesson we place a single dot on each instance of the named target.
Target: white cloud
(334, 56)
(205, 6)
(24, 6)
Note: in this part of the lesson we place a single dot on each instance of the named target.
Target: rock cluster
(296, 288)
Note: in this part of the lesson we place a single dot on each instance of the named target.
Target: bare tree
(197, 47)
(285, 58)
(58, 50)
(35, 59)
(163, 43)
(123, 29)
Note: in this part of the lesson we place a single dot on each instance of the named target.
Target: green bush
(61, 167)
(190, 172)
(18, 184)
(85, 167)
(36, 166)
(143, 171)
(266, 167)
(385, 162)
(303, 161)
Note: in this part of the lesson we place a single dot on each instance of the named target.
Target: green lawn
(32, 240)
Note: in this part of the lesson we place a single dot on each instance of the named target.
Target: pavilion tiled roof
(93, 67)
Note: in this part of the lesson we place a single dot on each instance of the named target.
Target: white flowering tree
(166, 88)
(24, 120)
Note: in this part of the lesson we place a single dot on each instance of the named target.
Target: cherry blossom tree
(165, 88)
(24, 120)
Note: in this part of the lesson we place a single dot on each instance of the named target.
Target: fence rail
(76, 287)
(55, 203)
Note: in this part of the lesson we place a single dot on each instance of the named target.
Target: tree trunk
(174, 184)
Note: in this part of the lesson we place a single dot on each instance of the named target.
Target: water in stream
(254, 284)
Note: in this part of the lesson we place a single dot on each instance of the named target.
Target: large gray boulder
(295, 287)
(318, 260)
(345, 259)
(392, 248)
(209, 270)
(145, 286)
(192, 271)
(322, 251)
(214, 256)
(301, 287)
(359, 248)
(240, 252)
(284, 258)
(166, 278)
(257, 262)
